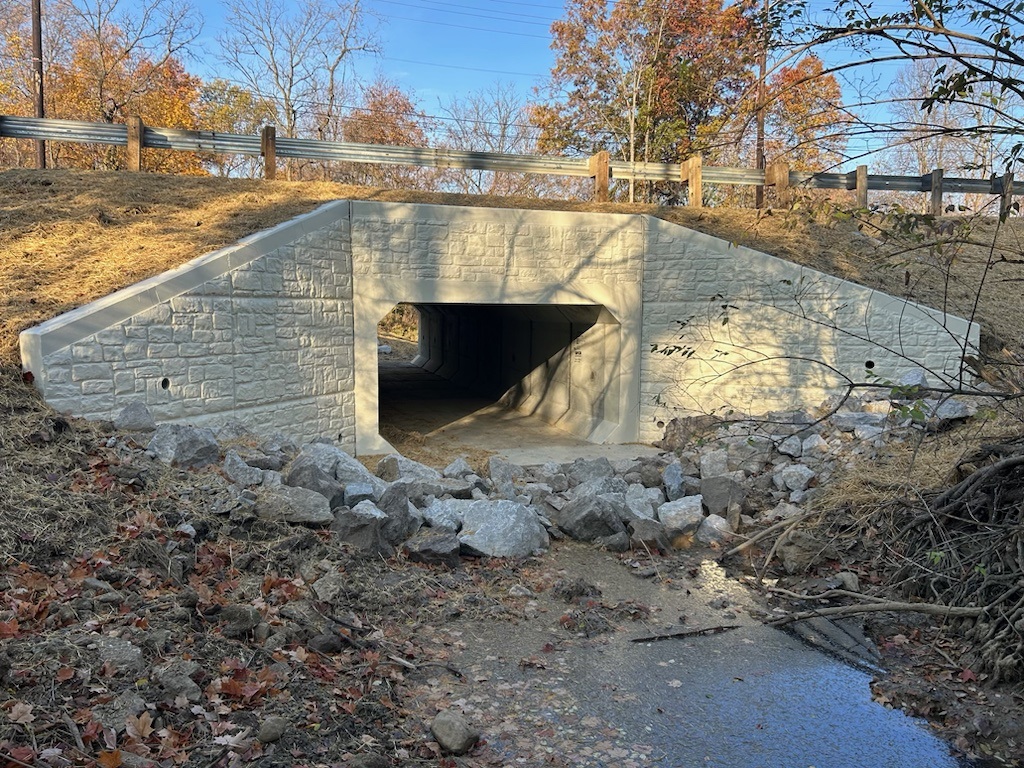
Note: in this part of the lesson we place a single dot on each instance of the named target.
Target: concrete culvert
(607, 326)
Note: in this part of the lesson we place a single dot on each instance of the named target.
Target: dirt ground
(85, 552)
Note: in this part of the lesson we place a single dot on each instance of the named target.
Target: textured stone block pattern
(488, 245)
(268, 343)
(730, 330)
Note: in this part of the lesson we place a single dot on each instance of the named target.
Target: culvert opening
(475, 366)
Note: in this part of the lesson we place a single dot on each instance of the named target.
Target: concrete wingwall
(731, 330)
(260, 332)
(607, 325)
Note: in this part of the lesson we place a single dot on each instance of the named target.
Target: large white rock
(502, 529)
(682, 516)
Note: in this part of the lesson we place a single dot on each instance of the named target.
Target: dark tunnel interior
(549, 360)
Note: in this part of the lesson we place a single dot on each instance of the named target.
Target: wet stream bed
(544, 693)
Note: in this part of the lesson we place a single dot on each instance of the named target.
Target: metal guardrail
(195, 141)
(311, 149)
(63, 130)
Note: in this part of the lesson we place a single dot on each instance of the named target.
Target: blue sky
(440, 49)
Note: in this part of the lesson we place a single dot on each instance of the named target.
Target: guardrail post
(1005, 192)
(268, 150)
(777, 175)
(600, 172)
(935, 186)
(135, 131)
(858, 180)
(691, 171)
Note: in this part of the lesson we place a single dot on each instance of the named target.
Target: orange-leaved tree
(805, 124)
(386, 115)
(646, 81)
(104, 61)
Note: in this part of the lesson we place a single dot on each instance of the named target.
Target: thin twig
(825, 595)
(12, 759)
(766, 532)
(849, 610)
(686, 633)
(401, 662)
(66, 719)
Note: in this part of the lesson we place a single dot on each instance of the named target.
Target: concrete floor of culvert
(417, 400)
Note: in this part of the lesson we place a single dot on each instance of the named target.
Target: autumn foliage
(661, 81)
(647, 81)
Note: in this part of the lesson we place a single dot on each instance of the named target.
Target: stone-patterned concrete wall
(260, 333)
(493, 245)
(729, 329)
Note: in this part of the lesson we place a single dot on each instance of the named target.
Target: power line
(557, 8)
(433, 5)
(473, 29)
(465, 69)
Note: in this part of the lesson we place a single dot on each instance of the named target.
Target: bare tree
(297, 55)
(494, 119)
(971, 51)
(125, 46)
(943, 136)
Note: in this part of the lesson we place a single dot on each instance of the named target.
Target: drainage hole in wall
(869, 364)
(661, 425)
(165, 383)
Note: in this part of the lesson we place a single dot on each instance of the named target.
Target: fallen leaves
(21, 713)
(139, 726)
(967, 676)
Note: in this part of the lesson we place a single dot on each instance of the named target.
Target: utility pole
(37, 71)
(762, 73)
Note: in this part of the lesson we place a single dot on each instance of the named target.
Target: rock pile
(739, 474)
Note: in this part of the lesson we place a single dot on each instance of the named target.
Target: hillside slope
(91, 528)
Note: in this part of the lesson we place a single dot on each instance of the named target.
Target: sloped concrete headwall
(607, 325)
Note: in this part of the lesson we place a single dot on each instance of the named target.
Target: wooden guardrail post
(862, 186)
(1005, 192)
(691, 172)
(135, 131)
(268, 150)
(777, 175)
(858, 180)
(600, 172)
(935, 185)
